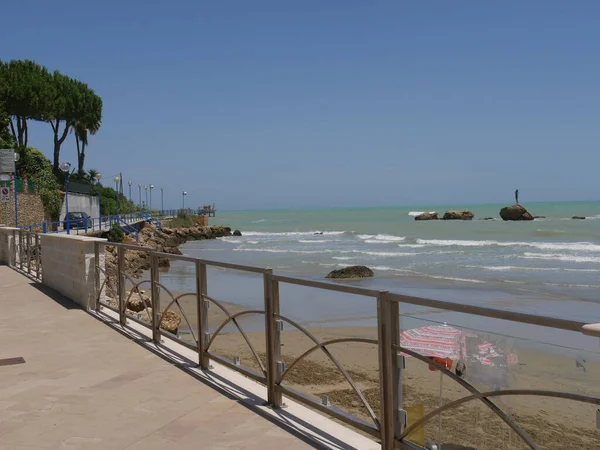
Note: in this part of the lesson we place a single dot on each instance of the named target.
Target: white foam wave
(343, 258)
(411, 245)
(259, 221)
(568, 246)
(561, 257)
(293, 233)
(314, 241)
(252, 242)
(528, 268)
(362, 252)
(231, 241)
(380, 238)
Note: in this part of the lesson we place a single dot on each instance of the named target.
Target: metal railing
(388, 423)
(26, 253)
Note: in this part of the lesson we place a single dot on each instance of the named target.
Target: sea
(548, 266)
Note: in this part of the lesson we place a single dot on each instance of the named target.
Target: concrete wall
(68, 266)
(6, 245)
(81, 203)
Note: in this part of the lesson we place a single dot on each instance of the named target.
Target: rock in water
(579, 217)
(458, 215)
(237, 233)
(515, 212)
(427, 216)
(351, 272)
(170, 322)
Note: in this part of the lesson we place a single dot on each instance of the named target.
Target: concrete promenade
(86, 385)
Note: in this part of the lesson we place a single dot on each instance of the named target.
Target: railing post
(154, 280)
(38, 255)
(274, 397)
(202, 304)
(121, 284)
(28, 236)
(386, 374)
(97, 275)
(21, 249)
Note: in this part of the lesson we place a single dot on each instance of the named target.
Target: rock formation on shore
(515, 212)
(458, 215)
(166, 240)
(427, 216)
(351, 272)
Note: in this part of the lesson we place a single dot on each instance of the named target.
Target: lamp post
(140, 188)
(66, 167)
(162, 204)
(183, 194)
(129, 183)
(117, 179)
(98, 177)
(146, 189)
(17, 157)
(151, 187)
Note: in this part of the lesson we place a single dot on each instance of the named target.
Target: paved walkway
(86, 386)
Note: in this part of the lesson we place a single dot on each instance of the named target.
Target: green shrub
(115, 234)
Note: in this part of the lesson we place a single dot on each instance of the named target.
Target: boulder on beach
(515, 212)
(579, 217)
(170, 322)
(351, 272)
(458, 215)
(427, 216)
(237, 233)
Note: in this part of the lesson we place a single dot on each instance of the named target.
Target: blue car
(77, 220)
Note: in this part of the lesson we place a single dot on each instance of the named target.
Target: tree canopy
(30, 92)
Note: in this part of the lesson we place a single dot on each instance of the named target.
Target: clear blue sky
(271, 104)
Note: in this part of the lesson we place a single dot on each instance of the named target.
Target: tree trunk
(81, 158)
(58, 141)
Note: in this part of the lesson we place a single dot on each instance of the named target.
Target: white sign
(7, 160)
(4, 195)
(5, 177)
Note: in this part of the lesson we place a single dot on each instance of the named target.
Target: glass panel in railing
(137, 295)
(344, 372)
(542, 383)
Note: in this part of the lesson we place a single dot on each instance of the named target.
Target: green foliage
(30, 92)
(6, 138)
(115, 234)
(34, 165)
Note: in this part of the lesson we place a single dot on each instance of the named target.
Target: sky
(280, 104)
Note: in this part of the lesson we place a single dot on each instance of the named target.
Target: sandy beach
(554, 424)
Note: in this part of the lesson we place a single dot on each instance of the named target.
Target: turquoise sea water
(549, 266)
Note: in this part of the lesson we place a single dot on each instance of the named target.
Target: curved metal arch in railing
(106, 275)
(176, 301)
(507, 392)
(232, 318)
(333, 359)
(517, 429)
(136, 289)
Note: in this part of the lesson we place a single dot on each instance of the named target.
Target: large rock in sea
(351, 272)
(427, 216)
(458, 215)
(515, 212)
(579, 217)
(237, 233)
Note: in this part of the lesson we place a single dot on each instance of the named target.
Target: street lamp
(140, 187)
(129, 183)
(151, 187)
(117, 179)
(98, 177)
(162, 204)
(183, 194)
(146, 189)
(66, 167)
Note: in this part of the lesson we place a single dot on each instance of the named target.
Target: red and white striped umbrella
(438, 342)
